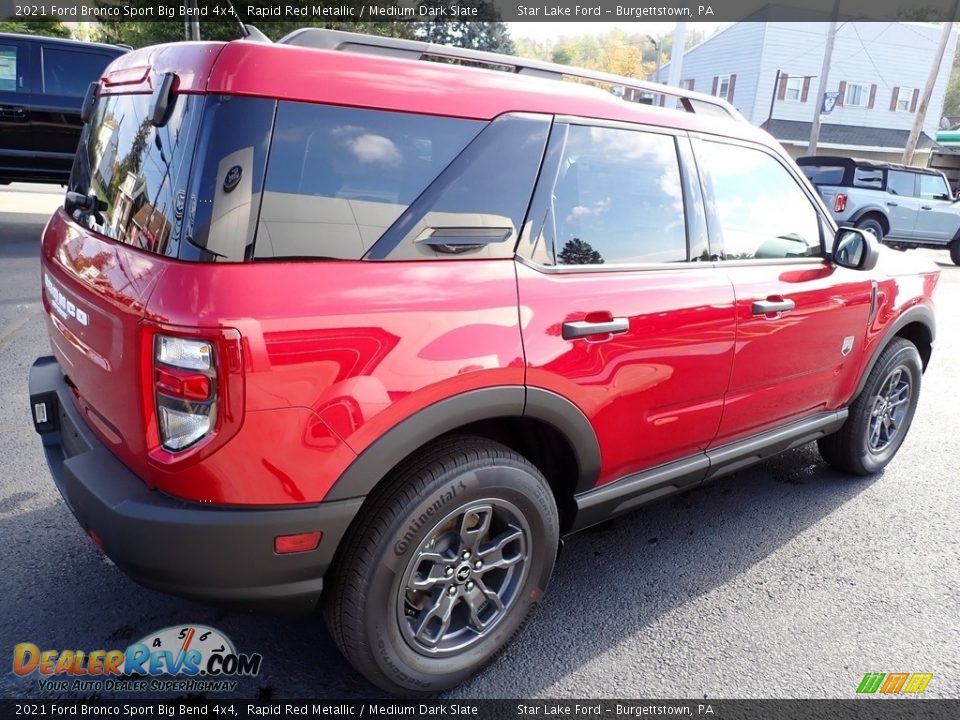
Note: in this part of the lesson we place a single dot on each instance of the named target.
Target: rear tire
(955, 251)
(873, 225)
(444, 567)
(880, 417)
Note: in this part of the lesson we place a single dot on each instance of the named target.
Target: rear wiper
(76, 202)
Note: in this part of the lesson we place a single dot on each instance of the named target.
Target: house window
(904, 99)
(794, 88)
(857, 95)
(723, 86)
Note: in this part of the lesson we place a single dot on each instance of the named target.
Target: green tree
(41, 27)
(578, 252)
(485, 32)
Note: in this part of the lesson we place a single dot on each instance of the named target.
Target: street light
(656, 46)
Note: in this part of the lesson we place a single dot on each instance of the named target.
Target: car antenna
(243, 28)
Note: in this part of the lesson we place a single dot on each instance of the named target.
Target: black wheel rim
(890, 408)
(464, 577)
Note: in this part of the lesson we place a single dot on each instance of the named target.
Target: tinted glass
(227, 182)
(933, 186)
(900, 183)
(339, 177)
(823, 174)
(8, 68)
(618, 199)
(136, 169)
(868, 178)
(480, 198)
(758, 209)
(70, 73)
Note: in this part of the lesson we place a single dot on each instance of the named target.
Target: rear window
(868, 178)
(823, 174)
(338, 178)
(70, 72)
(138, 172)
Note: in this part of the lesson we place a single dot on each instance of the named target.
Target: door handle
(12, 111)
(585, 328)
(892, 204)
(926, 207)
(764, 307)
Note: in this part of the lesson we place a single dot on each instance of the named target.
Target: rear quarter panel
(335, 354)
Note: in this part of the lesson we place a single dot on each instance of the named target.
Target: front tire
(955, 251)
(444, 567)
(881, 415)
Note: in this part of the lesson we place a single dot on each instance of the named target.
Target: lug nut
(465, 554)
(469, 584)
(478, 564)
(452, 590)
(448, 572)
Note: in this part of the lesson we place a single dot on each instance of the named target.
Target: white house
(877, 71)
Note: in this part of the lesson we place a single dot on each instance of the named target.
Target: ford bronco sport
(369, 333)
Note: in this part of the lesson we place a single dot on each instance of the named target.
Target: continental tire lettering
(403, 544)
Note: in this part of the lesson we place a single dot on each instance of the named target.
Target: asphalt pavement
(787, 580)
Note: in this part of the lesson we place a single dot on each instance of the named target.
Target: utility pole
(773, 99)
(191, 21)
(928, 88)
(824, 77)
(656, 46)
(676, 56)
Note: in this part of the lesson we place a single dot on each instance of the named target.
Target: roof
(845, 135)
(836, 160)
(288, 72)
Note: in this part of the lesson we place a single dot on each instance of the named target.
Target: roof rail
(323, 39)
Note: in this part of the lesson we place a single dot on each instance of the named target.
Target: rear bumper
(209, 553)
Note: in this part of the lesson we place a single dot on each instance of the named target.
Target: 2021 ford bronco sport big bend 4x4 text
(325, 320)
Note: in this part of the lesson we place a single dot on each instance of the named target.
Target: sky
(541, 31)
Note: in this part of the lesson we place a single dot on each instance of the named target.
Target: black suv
(42, 85)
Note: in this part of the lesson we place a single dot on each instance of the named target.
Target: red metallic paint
(347, 350)
(653, 394)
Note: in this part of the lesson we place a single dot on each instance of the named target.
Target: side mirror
(856, 249)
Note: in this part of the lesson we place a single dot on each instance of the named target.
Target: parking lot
(786, 580)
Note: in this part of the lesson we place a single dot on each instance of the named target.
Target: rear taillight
(840, 204)
(185, 381)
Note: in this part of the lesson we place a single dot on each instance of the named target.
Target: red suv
(341, 329)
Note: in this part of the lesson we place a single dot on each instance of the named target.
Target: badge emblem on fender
(847, 345)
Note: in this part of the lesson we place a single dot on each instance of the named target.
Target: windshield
(136, 171)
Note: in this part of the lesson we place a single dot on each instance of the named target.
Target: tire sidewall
(873, 226)
(501, 478)
(910, 359)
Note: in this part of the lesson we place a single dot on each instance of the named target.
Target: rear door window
(901, 183)
(337, 177)
(70, 72)
(617, 199)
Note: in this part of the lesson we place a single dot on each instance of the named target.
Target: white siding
(887, 55)
(735, 50)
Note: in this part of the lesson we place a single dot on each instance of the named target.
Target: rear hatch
(104, 252)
